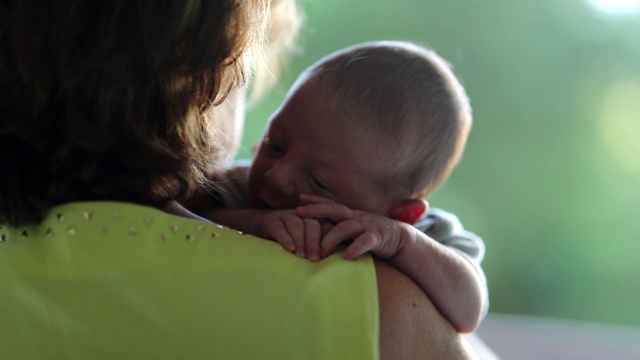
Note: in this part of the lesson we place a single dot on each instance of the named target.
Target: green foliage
(551, 173)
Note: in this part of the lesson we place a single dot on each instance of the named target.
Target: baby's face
(311, 149)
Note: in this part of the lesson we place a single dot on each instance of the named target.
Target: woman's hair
(408, 95)
(286, 21)
(104, 100)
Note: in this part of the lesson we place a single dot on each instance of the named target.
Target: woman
(105, 120)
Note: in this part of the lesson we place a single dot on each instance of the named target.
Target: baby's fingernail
(289, 247)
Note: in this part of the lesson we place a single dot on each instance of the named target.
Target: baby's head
(391, 115)
(408, 94)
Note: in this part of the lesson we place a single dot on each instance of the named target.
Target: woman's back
(115, 280)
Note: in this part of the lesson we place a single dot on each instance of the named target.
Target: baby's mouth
(266, 206)
(261, 203)
(272, 199)
(274, 203)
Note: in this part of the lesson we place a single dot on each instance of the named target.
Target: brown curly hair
(103, 100)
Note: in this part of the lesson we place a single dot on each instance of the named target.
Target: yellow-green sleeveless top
(109, 280)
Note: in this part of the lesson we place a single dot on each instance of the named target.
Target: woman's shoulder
(410, 325)
(196, 277)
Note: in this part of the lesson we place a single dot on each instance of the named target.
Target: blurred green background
(551, 175)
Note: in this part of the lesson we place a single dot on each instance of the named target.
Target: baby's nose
(282, 179)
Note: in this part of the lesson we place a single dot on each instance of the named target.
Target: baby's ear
(408, 210)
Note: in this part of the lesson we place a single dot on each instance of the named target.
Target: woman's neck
(175, 208)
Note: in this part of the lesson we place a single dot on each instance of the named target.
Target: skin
(311, 149)
(410, 325)
(228, 118)
(314, 165)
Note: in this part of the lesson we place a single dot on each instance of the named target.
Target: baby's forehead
(388, 129)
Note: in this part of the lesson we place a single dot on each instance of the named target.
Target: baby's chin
(259, 204)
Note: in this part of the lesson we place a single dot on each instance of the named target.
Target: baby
(363, 136)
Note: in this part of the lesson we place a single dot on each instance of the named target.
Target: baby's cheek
(255, 187)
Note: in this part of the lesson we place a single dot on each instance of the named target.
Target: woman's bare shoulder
(410, 326)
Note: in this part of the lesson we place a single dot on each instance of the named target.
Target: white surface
(514, 337)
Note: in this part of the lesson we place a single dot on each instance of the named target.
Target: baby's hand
(377, 234)
(300, 236)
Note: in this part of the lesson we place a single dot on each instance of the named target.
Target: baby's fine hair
(409, 94)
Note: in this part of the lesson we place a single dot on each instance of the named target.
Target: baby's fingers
(307, 199)
(332, 211)
(367, 241)
(342, 231)
(281, 235)
(312, 236)
(295, 228)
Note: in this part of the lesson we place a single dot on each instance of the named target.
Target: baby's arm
(446, 275)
